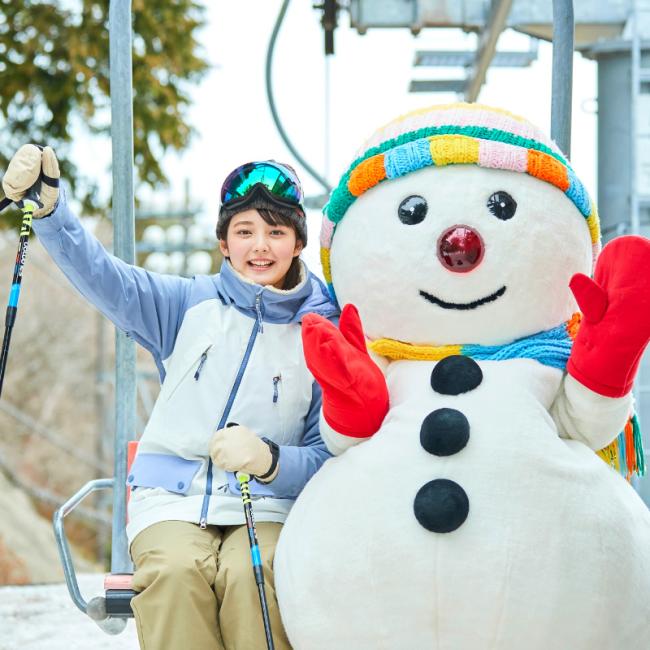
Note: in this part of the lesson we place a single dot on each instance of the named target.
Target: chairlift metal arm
(62, 542)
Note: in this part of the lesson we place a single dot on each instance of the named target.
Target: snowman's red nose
(460, 249)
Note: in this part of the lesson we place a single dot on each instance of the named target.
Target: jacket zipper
(203, 521)
(258, 309)
(204, 358)
(276, 380)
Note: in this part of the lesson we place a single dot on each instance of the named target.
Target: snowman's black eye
(502, 205)
(412, 210)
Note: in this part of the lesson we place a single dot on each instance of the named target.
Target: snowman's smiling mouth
(463, 305)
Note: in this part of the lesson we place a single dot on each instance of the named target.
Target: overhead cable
(274, 113)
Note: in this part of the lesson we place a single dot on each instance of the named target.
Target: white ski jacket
(227, 350)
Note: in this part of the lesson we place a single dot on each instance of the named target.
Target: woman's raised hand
(33, 165)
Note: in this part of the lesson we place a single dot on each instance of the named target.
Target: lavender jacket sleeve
(149, 307)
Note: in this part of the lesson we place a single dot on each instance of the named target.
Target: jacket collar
(270, 304)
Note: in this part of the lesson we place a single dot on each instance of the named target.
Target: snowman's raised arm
(382, 362)
(355, 395)
(337, 442)
(615, 327)
(595, 400)
(581, 414)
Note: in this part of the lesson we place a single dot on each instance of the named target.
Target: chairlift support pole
(121, 85)
(563, 37)
(635, 78)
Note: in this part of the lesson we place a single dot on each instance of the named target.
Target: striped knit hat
(452, 134)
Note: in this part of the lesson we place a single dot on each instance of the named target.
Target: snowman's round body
(517, 534)
(543, 561)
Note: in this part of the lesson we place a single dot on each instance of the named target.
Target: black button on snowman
(441, 505)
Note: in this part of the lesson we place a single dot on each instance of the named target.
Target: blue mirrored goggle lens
(277, 179)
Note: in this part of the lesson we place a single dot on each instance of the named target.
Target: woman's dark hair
(273, 215)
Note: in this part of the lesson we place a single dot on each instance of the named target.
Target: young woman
(236, 395)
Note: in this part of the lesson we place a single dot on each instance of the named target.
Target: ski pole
(27, 205)
(243, 479)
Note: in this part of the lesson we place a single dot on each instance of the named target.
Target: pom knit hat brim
(466, 134)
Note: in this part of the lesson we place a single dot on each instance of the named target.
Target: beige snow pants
(197, 588)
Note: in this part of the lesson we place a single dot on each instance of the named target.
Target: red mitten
(615, 327)
(355, 395)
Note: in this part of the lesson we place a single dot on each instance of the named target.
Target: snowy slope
(36, 617)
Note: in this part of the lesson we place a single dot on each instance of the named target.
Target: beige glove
(238, 449)
(26, 167)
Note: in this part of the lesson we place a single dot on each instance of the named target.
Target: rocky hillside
(56, 415)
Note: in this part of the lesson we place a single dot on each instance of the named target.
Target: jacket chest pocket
(289, 395)
(188, 367)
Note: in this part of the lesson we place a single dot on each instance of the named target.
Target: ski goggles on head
(280, 181)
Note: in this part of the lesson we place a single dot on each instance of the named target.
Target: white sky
(368, 85)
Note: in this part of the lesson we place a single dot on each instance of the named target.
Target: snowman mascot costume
(491, 358)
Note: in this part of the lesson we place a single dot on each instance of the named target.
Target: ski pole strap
(32, 194)
(23, 204)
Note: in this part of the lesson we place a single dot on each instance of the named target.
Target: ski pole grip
(242, 477)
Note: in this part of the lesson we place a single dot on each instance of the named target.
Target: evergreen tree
(54, 68)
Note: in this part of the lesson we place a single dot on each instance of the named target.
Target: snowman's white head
(458, 224)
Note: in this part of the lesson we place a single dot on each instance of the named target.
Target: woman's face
(260, 251)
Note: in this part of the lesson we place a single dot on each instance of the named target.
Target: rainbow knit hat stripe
(452, 134)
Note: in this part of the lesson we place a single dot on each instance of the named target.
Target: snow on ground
(40, 617)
